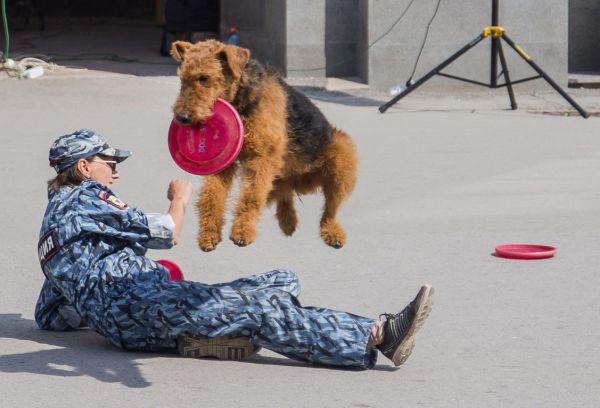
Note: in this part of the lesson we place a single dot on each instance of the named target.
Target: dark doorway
(584, 36)
(341, 38)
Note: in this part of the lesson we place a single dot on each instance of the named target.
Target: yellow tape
(523, 53)
(494, 31)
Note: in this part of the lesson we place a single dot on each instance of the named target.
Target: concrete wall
(261, 26)
(584, 36)
(276, 27)
(305, 49)
(285, 34)
(303, 38)
(311, 38)
(319, 38)
(362, 41)
(324, 38)
(538, 26)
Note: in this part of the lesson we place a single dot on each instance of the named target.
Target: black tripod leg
(554, 85)
(511, 95)
(431, 73)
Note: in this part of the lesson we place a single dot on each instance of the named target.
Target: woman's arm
(104, 214)
(179, 194)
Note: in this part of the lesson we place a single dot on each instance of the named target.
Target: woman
(92, 251)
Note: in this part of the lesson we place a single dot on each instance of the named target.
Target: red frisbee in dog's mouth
(525, 251)
(208, 147)
(175, 273)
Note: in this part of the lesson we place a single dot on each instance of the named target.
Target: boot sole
(223, 348)
(424, 302)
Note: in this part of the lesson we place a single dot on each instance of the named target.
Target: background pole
(494, 55)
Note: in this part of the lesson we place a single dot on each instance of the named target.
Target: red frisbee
(525, 251)
(175, 273)
(211, 146)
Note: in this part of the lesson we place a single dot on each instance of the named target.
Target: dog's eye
(202, 79)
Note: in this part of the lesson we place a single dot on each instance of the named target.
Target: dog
(289, 147)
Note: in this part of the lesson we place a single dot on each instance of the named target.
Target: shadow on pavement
(283, 361)
(338, 97)
(83, 352)
(76, 353)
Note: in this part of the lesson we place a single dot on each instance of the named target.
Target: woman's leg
(154, 316)
(282, 279)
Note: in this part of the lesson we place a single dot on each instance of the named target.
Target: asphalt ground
(443, 179)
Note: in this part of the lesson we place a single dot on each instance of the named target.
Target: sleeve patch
(48, 247)
(112, 200)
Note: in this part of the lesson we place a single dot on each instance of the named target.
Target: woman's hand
(180, 190)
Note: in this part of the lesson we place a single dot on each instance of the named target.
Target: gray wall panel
(584, 36)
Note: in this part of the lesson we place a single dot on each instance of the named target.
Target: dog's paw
(240, 242)
(208, 242)
(333, 234)
(288, 230)
(242, 235)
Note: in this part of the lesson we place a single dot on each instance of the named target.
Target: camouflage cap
(81, 144)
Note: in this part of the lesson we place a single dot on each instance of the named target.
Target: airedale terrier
(289, 146)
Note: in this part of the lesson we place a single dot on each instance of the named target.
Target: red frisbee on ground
(175, 273)
(525, 251)
(209, 147)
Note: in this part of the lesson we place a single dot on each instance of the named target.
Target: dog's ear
(178, 50)
(235, 58)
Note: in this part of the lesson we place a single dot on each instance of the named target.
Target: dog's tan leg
(286, 213)
(257, 182)
(339, 178)
(211, 207)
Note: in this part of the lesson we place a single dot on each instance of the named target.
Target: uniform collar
(88, 183)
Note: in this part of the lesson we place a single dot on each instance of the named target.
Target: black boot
(399, 330)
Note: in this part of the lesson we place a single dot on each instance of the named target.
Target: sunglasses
(110, 163)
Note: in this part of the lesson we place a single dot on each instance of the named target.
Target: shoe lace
(396, 326)
(389, 316)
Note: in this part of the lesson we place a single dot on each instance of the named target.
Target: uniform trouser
(151, 315)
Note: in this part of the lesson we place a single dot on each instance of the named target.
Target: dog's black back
(307, 128)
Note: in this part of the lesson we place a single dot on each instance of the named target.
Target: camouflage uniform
(92, 251)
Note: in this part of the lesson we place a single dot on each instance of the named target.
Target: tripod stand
(497, 33)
